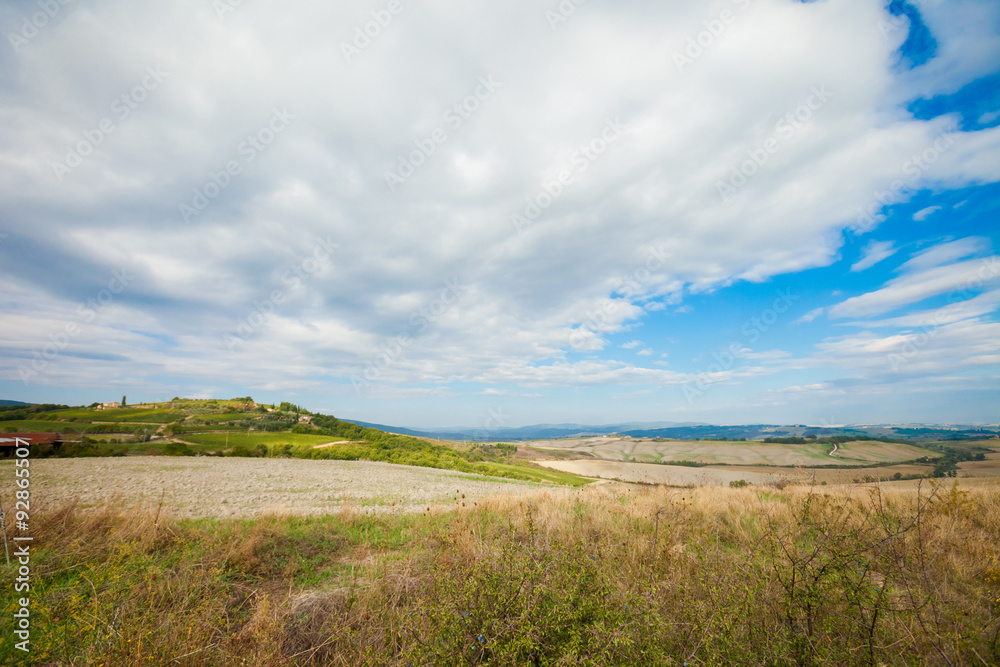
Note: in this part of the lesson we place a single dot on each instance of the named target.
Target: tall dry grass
(598, 576)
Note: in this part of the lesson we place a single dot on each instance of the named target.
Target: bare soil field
(651, 473)
(730, 452)
(988, 468)
(194, 487)
(878, 452)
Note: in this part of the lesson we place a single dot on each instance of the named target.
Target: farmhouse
(108, 406)
(11, 441)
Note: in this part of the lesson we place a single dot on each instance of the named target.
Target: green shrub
(177, 449)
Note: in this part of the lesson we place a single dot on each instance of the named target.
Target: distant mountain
(14, 403)
(534, 432)
(391, 429)
(693, 430)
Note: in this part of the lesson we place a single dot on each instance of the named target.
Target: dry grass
(605, 575)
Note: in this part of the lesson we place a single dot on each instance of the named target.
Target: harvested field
(878, 452)
(731, 452)
(833, 476)
(651, 473)
(242, 487)
(988, 468)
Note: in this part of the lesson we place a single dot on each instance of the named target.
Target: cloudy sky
(440, 213)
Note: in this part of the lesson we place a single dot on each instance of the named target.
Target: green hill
(241, 427)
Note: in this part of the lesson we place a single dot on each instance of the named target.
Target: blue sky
(744, 211)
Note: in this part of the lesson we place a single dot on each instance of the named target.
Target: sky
(440, 213)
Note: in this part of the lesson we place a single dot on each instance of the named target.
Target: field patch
(251, 440)
(650, 473)
(238, 487)
(227, 417)
(31, 426)
(869, 451)
(988, 468)
(746, 453)
(141, 415)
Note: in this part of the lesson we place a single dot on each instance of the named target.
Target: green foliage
(945, 467)
(141, 415)
(251, 440)
(738, 483)
(109, 428)
(526, 602)
(952, 455)
(646, 578)
(27, 412)
(36, 427)
(373, 445)
(259, 451)
(280, 434)
(496, 452)
(177, 449)
(848, 569)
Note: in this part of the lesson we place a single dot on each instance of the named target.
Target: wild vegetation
(605, 576)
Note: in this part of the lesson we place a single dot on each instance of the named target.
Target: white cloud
(925, 213)
(530, 299)
(811, 315)
(944, 253)
(928, 351)
(977, 306)
(874, 252)
(924, 280)
(632, 344)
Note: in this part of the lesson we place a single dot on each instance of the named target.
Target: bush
(178, 449)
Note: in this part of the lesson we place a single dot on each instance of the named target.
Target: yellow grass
(606, 575)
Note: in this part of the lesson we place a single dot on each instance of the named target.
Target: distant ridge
(692, 430)
(2, 402)
(534, 432)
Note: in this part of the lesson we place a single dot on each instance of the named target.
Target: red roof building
(11, 441)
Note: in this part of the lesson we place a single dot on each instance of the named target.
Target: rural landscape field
(528, 333)
(223, 532)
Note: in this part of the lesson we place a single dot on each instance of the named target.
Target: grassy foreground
(750, 576)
